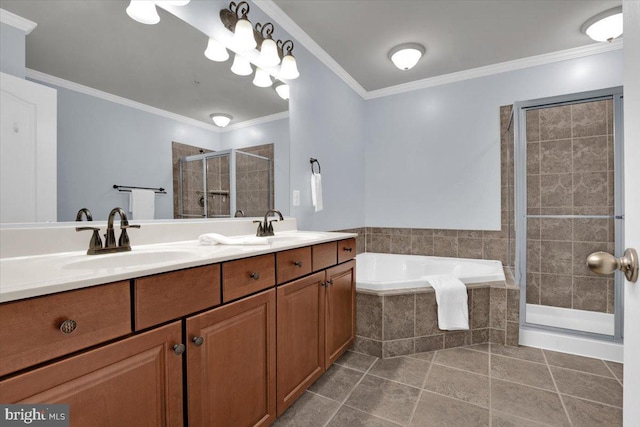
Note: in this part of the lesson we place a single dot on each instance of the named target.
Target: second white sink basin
(126, 259)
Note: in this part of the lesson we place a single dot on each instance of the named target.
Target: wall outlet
(296, 197)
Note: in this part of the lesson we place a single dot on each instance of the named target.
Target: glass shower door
(569, 177)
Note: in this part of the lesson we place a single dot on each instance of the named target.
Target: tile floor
(479, 385)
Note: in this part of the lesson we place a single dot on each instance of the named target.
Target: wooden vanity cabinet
(316, 324)
(231, 363)
(136, 381)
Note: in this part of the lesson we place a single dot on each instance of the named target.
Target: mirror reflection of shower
(218, 184)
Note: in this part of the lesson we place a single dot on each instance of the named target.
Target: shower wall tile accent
(392, 324)
(193, 179)
(254, 178)
(569, 171)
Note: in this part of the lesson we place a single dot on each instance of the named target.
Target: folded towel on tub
(451, 297)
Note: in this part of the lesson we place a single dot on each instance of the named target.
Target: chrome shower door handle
(604, 263)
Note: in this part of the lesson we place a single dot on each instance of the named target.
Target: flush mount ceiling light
(605, 26)
(216, 51)
(143, 11)
(221, 119)
(282, 89)
(407, 55)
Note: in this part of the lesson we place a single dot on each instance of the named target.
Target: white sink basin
(293, 237)
(126, 259)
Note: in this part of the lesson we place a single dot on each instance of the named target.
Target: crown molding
(256, 121)
(283, 20)
(278, 15)
(66, 84)
(517, 64)
(16, 21)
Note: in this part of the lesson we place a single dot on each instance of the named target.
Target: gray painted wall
(12, 50)
(276, 133)
(432, 156)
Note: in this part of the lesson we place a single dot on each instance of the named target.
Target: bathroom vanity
(229, 337)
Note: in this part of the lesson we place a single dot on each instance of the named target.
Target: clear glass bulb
(143, 11)
(269, 54)
(289, 70)
(243, 38)
(241, 66)
(216, 51)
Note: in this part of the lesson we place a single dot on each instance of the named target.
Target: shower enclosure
(221, 183)
(568, 162)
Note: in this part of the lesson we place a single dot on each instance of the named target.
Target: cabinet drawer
(346, 249)
(293, 263)
(167, 296)
(31, 329)
(324, 255)
(246, 276)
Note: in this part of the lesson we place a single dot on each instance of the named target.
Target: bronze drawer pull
(68, 326)
(348, 249)
(179, 349)
(297, 263)
(255, 275)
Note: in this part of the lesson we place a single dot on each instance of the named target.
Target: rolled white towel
(211, 239)
(451, 297)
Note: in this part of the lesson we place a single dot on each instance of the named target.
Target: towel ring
(312, 161)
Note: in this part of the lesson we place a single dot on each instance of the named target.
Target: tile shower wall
(254, 180)
(193, 180)
(569, 172)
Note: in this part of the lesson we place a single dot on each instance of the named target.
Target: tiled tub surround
(570, 171)
(394, 323)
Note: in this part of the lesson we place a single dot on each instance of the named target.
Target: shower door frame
(520, 215)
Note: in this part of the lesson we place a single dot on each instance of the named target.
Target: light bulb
(406, 56)
(289, 69)
(143, 11)
(283, 90)
(221, 119)
(269, 53)
(243, 38)
(241, 66)
(262, 78)
(216, 51)
(173, 2)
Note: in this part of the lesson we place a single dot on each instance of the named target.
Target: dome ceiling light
(605, 26)
(221, 119)
(407, 55)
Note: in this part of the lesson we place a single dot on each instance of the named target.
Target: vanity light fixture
(407, 55)
(289, 69)
(282, 89)
(262, 78)
(235, 20)
(605, 26)
(221, 119)
(143, 11)
(173, 2)
(241, 66)
(268, 49)
(216, 51)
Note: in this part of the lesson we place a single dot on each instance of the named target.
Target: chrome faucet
(95, 245)
(266, 228)
(87, 214)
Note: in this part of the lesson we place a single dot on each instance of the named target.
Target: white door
(28, 163)
(631, 10)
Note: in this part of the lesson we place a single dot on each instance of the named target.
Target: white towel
(316, 191)
(451, 297)
(211, 239)
(142, 204)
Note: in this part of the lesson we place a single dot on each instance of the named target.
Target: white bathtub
(382, 272)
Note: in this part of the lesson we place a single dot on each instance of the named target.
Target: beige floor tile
(527, 402)
(357, 361)
(617, 368)
(385, 399)
(578, 363)
(584, 413)
(336, 383)
(310, 410)
(461, 358)
(588, 386)
(467, 386)
(521, 371)
(436, 410)
(405, 370)
(498, 419)
(525, 353)
(349, 417)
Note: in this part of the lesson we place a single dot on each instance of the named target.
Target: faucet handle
(270, 227)
(261, 230)
(124, 227)
(96, 241)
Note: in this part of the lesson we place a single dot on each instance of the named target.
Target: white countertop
(30, 276)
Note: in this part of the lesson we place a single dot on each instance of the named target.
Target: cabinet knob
(348, 249)
(179, 349)
(330, 282)
(297, 263)
(197, 341)
(68, 326)
(255, 275)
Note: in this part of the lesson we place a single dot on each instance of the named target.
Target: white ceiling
(94, 43)
(458, 35)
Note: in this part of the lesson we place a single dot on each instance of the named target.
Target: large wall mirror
(104, 139)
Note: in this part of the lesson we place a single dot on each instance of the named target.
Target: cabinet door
(300, 342)
(133, 382)
(231, 373)
(341, 307)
